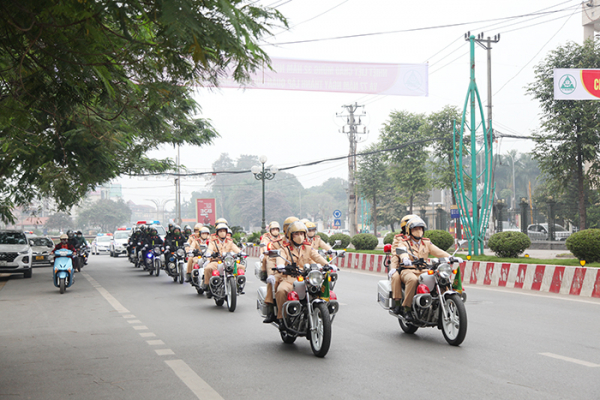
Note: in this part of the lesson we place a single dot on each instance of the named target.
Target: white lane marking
(140, 327)
(498, 289)
(196, 384)
(135, 321)
(129, 316)
(569, 359)
(147, 334)
(155, 342)
(164, 352)
(111, 300)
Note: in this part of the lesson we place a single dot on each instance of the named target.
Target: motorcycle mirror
(337, 243)
(400, 250)
(274, 253)
(461, 243)
(342, 254)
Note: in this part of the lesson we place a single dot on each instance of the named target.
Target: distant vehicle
(118, 245)
(540, 232)
(508, 226)
(101, 244)
(15, 253)
(41, 251)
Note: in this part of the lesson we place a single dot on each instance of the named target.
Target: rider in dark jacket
(176, 239)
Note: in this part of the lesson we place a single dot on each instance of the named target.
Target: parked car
(15, 253)
(101, 244)
(41, 248)
(118, 245)
(509, 227)
(540, 232)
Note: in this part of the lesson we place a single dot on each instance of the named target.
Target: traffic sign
(337, 222)
(454, 212)
(337, 214)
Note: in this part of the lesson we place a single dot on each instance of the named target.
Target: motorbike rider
(187, 231)
(191, 245)
(72, 239)
(169, 234)
(298, 252)
(272, 235)
(151, 240)
(64, 244)
(216, 249)
(414, 247)
(176, 240)
(315, 240)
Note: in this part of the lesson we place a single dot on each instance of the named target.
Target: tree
(372, 178)
(570, 130)
(59, 221)
(408, 164)
(105, 214)
(89, 87)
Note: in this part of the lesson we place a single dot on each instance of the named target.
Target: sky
(294, 127)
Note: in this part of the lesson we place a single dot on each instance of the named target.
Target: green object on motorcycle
(457, 284)
(325, 288)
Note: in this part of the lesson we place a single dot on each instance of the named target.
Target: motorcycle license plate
(39, 257)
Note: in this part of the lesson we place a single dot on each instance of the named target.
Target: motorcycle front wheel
(62, 285)
(320, 339)
(157, 266)
(181, 274)
(231, 295)
(455, 328)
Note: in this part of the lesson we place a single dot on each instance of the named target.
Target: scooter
(63, 270)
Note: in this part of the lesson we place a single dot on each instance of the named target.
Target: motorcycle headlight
(157, 251)
(445, 271)
(315, 278)
(180, 253)
(229, 261)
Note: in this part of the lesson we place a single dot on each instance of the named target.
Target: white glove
(261, 257)
(333, 268)
(281, 268)
(406, 261)
(271, 280)
(458, 260)
(392, 271)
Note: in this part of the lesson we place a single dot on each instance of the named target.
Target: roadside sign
(454, 212)
(337, 214)
(337, 222)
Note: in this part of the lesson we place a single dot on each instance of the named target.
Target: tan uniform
(397, 239)
(317, 243)
(192, 244)
(301, 255)
(410, 275)
(271, 262)
(221, 247)
(265, 240)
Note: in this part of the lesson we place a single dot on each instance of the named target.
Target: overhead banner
(576, 84)
(205, 211)
(344, 77)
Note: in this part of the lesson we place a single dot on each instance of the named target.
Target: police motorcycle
(175, 263)
(227, 281)
(198, 268)
(152, 262)
(311, 306)
(131, 252)
(435, 304)
(63, 271)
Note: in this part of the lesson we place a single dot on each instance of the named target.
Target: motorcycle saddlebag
(261, 293)
(384, 294)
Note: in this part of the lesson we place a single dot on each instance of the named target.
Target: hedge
(509, 244)
(364, 241)
(441, 239)
(339, 236)
(585, 245)
(389, 238)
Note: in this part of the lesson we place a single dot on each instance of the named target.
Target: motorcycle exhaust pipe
(422, 300)
(292, 308)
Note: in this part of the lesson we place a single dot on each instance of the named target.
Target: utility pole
(178, 192)
(352, 124)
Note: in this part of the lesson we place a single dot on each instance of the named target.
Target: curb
(574, 281)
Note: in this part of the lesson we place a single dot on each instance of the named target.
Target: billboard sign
(206, 211)
(576, 84)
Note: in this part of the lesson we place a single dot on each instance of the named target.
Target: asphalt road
(119, 333)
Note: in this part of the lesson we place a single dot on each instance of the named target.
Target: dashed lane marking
(147, 334)
(111, 300)
(135, 321)
(155, 342)
(572, 360)
(197, 385)
(164, 352)
(140, 327)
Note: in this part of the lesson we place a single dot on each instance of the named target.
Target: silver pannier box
(384, 294)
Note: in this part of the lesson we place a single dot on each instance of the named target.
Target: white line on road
(196, 384)
(135, 321)
(569, 359)
(128, 316)
(164, 352)
(147, 334)
(155, 342)
(113, 302)
(140, 327)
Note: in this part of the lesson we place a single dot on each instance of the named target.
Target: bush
(585, 245)
(340, 236)
(389, 238)
(509, 244)
(254, 237)
(441, 239)
(364, 241)
(323, 237)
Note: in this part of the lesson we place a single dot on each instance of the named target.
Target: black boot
(188, 277)
(270, 316)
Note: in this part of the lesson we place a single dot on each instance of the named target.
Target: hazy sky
(292, 127)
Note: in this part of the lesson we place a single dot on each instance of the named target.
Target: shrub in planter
(585, 245)
(509, 244)
(441, 239)
(364, 241)
(389, 238)
(323, 237)
(339, 236)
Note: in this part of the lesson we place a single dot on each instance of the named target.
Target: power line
(310, 19)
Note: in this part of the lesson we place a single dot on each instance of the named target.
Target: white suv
(118, 244)
(15, 253)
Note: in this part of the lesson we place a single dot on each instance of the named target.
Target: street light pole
(261, 174)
